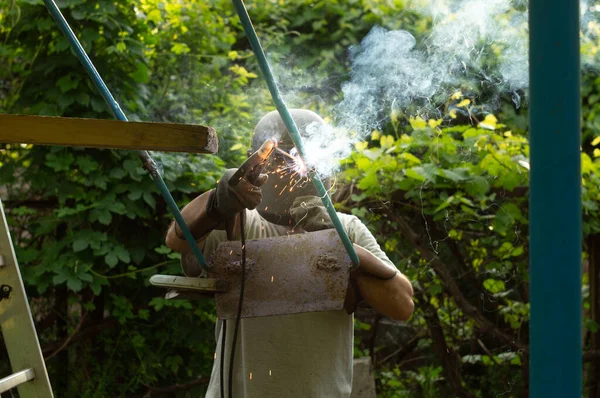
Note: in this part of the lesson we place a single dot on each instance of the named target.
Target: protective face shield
(284, 183)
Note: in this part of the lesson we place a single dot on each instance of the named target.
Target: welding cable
(238, 316)
(147, 161)
(221, 365)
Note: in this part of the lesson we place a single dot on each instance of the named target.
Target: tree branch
(444, 274)
(449, 357)
(80, 335)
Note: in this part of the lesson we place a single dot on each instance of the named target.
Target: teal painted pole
(291, 125)
(555, 200)
(145, 157)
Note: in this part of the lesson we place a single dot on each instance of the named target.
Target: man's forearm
(392, 297)
(199, 221)
(387, 291)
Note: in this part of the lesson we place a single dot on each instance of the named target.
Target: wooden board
(99, 133)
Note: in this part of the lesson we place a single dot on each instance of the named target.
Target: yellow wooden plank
(99, 133)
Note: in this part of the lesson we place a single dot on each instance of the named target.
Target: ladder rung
(16, 379)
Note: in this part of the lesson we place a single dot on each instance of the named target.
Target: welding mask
(284, 184)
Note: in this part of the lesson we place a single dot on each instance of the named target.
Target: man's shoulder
(348, 220)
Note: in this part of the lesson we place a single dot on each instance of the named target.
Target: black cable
(239, 311)
(223, 342)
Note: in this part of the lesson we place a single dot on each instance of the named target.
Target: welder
(296, 355)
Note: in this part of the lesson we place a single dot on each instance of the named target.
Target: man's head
(284, 183)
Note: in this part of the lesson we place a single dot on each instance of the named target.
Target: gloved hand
(228, 200)
(309, 213)
(239, 189)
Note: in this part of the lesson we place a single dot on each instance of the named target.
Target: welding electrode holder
(255, 164)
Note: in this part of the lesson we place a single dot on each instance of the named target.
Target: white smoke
(325, 146)
(477, 46)
(391, 70)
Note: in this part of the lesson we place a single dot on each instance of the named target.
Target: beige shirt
(286, 356)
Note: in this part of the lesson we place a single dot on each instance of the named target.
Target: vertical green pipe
(145, 157)
(555, 200)
(291, 125)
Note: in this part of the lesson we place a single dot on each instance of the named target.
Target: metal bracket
(5, 292)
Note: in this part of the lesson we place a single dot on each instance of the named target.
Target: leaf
(386, 141)
(149, 199)
(80, 245)
(141, 74)
(86, 164)
(118, 207)
(489, 122)
(363, 164)
(61, 161)
(517, 251)
(154, 16)
(494, 285)
(456, 175)
(133, 167)
(410, 158)
(67, 83)
(444, 204)
(82, 98)
(122, 254)
(412, 173)
(434, 289)
(65, 100)
(96, 285)
(463, 103)
(476, 186)
(417, 123)
(98, 104)
(368, 182)
(180, 48)
(361, 146)
(163, 250)
(457, 95)
(102, 215)
(74, 284)
(111, 259)
(117, 173)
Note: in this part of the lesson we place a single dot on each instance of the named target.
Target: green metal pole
(145, 157)
(291, 125)
(555, 200)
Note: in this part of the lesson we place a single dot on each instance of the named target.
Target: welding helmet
(282, 188)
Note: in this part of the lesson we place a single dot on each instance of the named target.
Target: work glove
(309, 213)
(239, 189)
(228, 200)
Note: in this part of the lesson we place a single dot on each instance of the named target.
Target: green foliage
(456, 195)
(88, 224)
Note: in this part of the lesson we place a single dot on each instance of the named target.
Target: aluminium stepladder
(30, 377)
